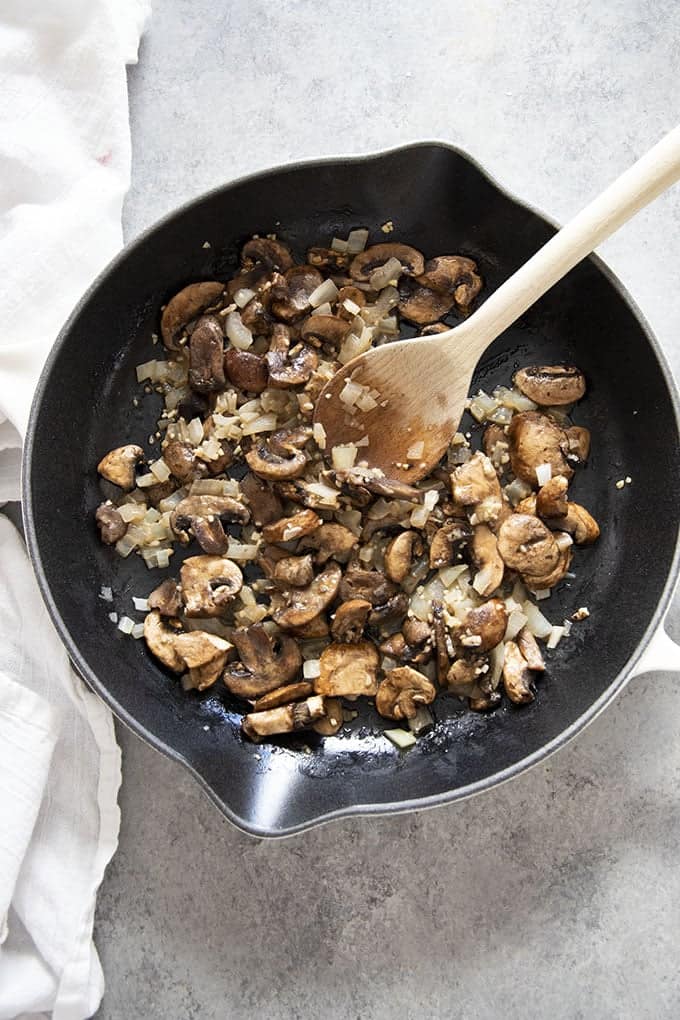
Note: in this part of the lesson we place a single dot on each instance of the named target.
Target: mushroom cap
(398, 555)
(299, 715)
(551, 498)
(274, 254)
(264, 462)
(325, 330)
(350, 620)
(487, 622)
(455, 275)
(160, 640)
(517, 677)
(448, 542)
(265, 506)
(166, 598)
(294, 571)
(423, 306)
(111, 525)
(209, 584)
(464, 676)
(372, 258)
(246, 370)
(536, 439)
(371, 585)
(284, 695)
(266, 662)
(526, 545)
(290, 528)
(203, 516)
(290, 299)
(185, 306)
(579, 442)
(292, 367)
(551, 385)
(487, 559)
(348, 670)
(303, 604)
(402, 691)
(331, 541)
(537, 582)
(118, 466)
(579, 523)
(206, 355)
(182, 461)
(475, 484)
(204, 654)
(333, 720)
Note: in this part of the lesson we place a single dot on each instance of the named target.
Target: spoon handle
(653, 173)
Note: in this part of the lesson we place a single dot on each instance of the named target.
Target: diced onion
(482, 578)
(243, 296)
(326, 291)
(319, 434)
(556, 635)
(421, 721)
(344, 456)
(496, 659)
(142, 605)
(168, 504)
(351, 307)
(541, 593)
(539, 626)
(163, 557)
(517, 490)
(449, 575)
(106, 594)
(326, 494)
(195, 431)
(352, 346)
(207, 487)
(338, 244)
(366, 402)
(356, 241)
(247, 596)
(137, 631)
(160, 469)
(311, 668)
(146, 481)
(240, 335)
(430, 499)
(415, 451)
(132, 512)
(516, 621)
(125, 545)
(113, 617)
(350, 392)
(125, 624)
(380, 277)
(241, 551)
(543, 473)
(263, 423)
(324, 309)
(563, 540)
(403, 739)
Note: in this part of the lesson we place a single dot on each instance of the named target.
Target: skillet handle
(662, 655)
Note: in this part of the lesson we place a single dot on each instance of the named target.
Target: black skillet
(439, 201)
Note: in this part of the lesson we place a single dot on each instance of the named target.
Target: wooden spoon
(422, 384)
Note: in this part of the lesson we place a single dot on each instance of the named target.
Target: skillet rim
(91, 678)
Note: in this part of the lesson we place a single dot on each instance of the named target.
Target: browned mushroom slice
(487, 559)
(366, 262)
(443, 646)
(402, 691)
(265, 506)
(464, 676)
(294, 571)
(274, 254)
(288, 366)
(290, 528)
(246, 371)
(349, 294)
(475, 485)
(266, 662)
(485, 702)
(536, 439)
(348, 670)
(326, 258)
(517, 677)
(155, 493)
(166, 598)
(371, 585)
(528, 646)
(455, 275)
(204, 655)
(539, 582)
(264, 462)
(331, 541)
(290, 300)
(551, 385)
(160, 635)
(118, 466)
(399, 553)
(390, 613)
(260, 279)
(204, 517)
(373, 482)
(333, 719)
(303, 604)
(285, 440)
(186, 306)
(182, 461)
(579, 523)
(433, 328)
(206, 355)
(448, 544)
(527, 545)
(255, 316)
(313, 630)
(527, 505)
(412, 644)
(579, 443)
(551, 498)
(423, 306)
(284, 695)
(496, 445)
(484, 627)
(350, 620)
(111, 525)
(209, 584)
(299, 715)
(325, 330)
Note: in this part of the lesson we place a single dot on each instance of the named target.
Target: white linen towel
(64, 170)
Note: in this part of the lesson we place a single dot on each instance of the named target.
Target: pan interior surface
(441, 203)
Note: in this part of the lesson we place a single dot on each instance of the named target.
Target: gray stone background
(557, 895)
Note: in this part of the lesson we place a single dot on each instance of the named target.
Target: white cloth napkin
(64, 170)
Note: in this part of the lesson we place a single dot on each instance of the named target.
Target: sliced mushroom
(374, 257)
(118, 466)
(358, 479)
(290, 528)
(487, 559)
(579, 443)
(551, 498)
(288, 366)
(464, 676)
(496, 445)
(580, 524)
(204, 517)
(398, 555)
(294, 571)
(527, 545)
(267, 662)
(402, 691)
(111, 525)
(448, 544)
(389, 613)
(182, 461)
(313, 630)
(246, 370)
(155, 493)
(290, 300)
(275, 467)
(539, 582)
(300, 715)
(454, 275)
(423, 306)
(209, 584)
(260, 279)
(166, 598)
(517, 677)
(475, 484)
(284, 695)
(528, 646)
(353, 294)
(255, 316)
(484, 627)
(186, 306)
(333, 719)
(326, 331)
(265, 506)
(442, 642)
(433, 328)
(326, 258)
(348, 670)
(204, 655)
(371, 585)
(273, 254)
(485, 702)
(551, 385)
(160, 635)
(412, 644)
(193, 405)
(206, 356)
(536, 439)
(350, 620)
(331, 541)
(303, 604)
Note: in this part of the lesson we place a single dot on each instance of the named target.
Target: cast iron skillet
(440, 201)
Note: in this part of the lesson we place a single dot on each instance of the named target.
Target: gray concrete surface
(557, 895)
